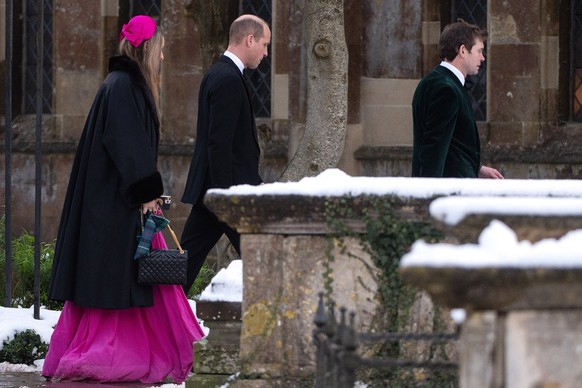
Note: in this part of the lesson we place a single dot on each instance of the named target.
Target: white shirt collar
(456, 71)
(235, 59)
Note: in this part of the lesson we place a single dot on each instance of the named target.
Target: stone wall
(526, 134)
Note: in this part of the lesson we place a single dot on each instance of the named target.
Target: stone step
(218, 311)
(206, 381)
(218, 353)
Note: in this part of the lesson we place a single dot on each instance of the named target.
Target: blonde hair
(147, 56)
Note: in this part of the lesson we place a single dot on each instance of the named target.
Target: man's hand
(490, 173)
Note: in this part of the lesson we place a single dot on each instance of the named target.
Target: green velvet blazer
(445, 138)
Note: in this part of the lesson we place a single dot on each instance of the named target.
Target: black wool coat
(114, 172)
(227, 151)
(445, 138)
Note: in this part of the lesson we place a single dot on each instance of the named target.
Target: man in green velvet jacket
(445, 139)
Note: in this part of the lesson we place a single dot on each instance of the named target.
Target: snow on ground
(226, 285)
(13, 320)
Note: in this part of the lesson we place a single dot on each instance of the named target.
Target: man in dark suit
(227, 150)
(445, 138)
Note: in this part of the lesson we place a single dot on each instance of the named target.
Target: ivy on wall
(386, 237)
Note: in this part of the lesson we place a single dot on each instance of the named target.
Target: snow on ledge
(334, 182)
(452, 210)
(498, 246)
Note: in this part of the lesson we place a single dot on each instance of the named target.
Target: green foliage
(386, 238)
(25, 348)
(202, 281)
(22, 280)
(327, 269)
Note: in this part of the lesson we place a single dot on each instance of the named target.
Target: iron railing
(38, 29)
(337, 343)
(8, 151)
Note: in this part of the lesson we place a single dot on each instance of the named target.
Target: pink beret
(138, 29)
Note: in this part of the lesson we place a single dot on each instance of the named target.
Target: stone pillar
(285, 265)
(77, 64)
(524, 326)
(522, 70)
(283, 276)
(181, 75)
(543, 348)
(524, 323)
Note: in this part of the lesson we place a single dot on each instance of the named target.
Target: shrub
(25, 348)
(22, 279)
(202, 281)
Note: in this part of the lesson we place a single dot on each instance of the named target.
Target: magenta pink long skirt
(145, 344)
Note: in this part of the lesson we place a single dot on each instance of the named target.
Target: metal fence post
(320, 340)
(8, 154)
(332, 334)
(349, 358)
(38, 154)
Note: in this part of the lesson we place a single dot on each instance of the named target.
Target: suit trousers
(201, 233)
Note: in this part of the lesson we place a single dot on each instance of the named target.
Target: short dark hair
(457, 34)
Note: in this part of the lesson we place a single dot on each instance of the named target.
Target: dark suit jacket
(445, 138)
(227, 151)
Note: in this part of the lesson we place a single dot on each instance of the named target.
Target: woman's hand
(152, 206)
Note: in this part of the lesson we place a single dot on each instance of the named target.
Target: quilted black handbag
(164, 266)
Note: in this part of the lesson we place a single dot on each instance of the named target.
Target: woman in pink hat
(113, 329)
